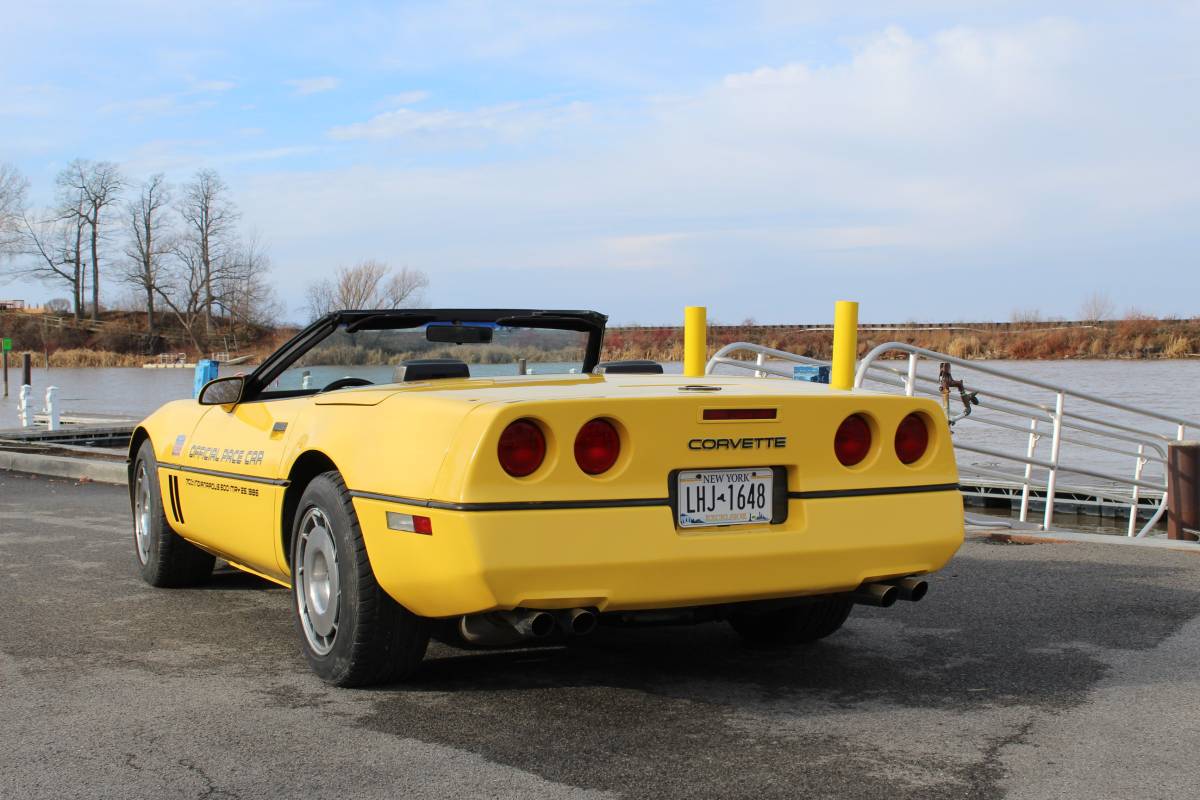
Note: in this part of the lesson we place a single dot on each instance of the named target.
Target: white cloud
(213, 86)
(404, 99)
(918, 160)
(305, 86)
(508, 121)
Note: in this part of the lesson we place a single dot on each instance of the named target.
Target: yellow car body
(230, 478)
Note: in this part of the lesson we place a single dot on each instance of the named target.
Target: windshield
(373, 355)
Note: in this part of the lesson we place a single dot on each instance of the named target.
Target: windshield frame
(590, 322)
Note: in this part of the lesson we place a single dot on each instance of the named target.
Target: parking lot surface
(1038, 671)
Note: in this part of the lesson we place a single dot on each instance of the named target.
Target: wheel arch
(307, 466)
(139, 435)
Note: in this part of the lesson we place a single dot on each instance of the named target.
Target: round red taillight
(853, 440)
(912, 439)
(522, 448)
(597, 446)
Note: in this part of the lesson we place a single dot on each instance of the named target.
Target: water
(1171, 387)
(135, 392)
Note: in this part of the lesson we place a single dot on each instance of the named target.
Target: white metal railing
(1030, 419)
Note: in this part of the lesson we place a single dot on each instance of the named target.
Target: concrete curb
(77, 469)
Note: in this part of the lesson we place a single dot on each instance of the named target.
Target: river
(1165, 386)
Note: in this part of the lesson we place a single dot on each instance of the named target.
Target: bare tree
(148, 240)
(367, 285)
(1096, 307)
(405, 288)
(14, 189)
(180, 286)
(243, 292)
(209, 217)
(86, 189)
(55, 246)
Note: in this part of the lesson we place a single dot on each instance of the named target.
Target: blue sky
(932, 159)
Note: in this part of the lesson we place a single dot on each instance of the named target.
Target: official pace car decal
(177, 448)
(228, 455)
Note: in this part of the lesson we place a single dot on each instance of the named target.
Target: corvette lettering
(746, 443)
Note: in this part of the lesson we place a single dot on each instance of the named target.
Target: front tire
(164, 557)
(352, 632)
(813, 619)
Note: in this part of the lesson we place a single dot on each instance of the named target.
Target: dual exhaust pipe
(885, 593)
(511, 627)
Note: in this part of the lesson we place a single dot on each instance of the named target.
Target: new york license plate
(724, 497)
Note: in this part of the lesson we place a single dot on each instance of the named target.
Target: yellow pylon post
(845, 344)
(695, 341)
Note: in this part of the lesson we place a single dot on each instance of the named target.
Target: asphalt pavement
(1030, 671)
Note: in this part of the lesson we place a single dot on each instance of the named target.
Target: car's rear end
(649, 492)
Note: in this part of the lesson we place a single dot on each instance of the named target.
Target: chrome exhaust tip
(882, 595)
(911, 589)
(578, 621)
(534, 624)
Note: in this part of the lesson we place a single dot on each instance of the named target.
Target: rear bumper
(634, 558)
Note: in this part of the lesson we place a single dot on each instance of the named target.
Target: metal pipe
(910, 381)
(578, 621)
(1030, 451)
(911, 589)
(534, 624)
(1055, 445)
(695, 340)
(883, 348)
(1133, 503)
(845, 344)
(882, 595)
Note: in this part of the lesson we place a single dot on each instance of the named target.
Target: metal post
(5, 354)
(695, 340)
(910, 381)
(1183, 490)
(52, 415)
(24, 409)
(1055, 445)
(845, 344)
(1137, 490)
(759, 360)
(522, 366)
(26, 369)
(1029, 452)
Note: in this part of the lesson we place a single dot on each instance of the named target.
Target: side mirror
(222, 391)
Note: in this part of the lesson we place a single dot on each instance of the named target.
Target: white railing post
(24, 409)
(910, 381)
(1137, 476)
(759, 360)
(1030, 450)
(52, 415)
(1055, 445)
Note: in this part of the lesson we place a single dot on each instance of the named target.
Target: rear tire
(813, 619)
(164, 557)
(352, 632)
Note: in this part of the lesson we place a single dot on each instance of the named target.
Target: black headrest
(635, 367)
(427, 369)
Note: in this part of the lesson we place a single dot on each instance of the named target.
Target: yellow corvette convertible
(401, 473)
